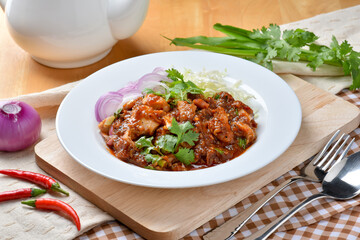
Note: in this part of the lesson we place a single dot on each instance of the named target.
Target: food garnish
(20, 125)
(57, 205)
(169, 143)
(178, 89)
(176, 127)
(242, 142)
(111, 102)
(267, 44)
(38, 178)
(21, 193)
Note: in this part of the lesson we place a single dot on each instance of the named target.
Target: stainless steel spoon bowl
(341, 183)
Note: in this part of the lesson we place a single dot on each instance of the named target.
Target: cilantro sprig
(178, 88)
(266, 44)
(183, 133)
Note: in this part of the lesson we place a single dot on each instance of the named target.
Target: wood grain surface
(172, 213)
(172, 18)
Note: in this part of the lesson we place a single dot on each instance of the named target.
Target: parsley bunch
(266, 44)
(182, 133)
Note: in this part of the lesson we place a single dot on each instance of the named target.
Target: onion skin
(20, 128)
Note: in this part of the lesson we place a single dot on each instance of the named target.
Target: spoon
(341, 183)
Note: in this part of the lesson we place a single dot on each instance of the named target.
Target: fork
(314, 171)
(340, 183)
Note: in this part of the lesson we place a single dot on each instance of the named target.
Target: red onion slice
(109, 103)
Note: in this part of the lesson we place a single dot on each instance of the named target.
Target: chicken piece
(124, 147)
(105, 124)
(244, 130)
(211, 157)
(220, 127)
(224, 100)
(186, 111)
(130, 104)
(244, 116)
(144, 120)
(167, 120)
(240, 105)
(156, 102)
(200, 103)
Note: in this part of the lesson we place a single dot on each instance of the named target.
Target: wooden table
(172, 18)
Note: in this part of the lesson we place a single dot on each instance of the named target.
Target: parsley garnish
(174, 75)
(169, 144)
(152, 158)
(179, 89)
(147, 145)
(268, 43)
(185, 155)
(184, 132)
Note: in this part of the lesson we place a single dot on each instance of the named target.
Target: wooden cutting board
(172, 213)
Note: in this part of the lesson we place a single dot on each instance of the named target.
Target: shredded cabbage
(214, 81)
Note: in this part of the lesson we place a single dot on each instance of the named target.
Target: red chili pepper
(57, 205)
(42, 180)
(21, 193)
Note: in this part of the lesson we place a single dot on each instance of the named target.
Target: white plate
(278, 109)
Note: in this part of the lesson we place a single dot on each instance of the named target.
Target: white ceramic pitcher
(72, 33)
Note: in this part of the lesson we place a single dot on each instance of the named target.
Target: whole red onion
(20, 125)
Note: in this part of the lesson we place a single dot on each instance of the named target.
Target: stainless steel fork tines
(327, 165)
(314, 171)
(325, 159)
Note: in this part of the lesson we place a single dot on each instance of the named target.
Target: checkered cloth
(322, 219)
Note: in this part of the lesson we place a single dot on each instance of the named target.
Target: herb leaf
(144, 142)
(152, 158)
(179, 129)
(174, 75)
(185, 155)
(178, 90)
(184, 132)
(299, 37)
(263, 45)
(190, 137)
(147, 144)
(167, 143)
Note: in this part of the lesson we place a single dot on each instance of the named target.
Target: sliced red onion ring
(160, 70)
(128, 97)
(109, 103)
(154, 85)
